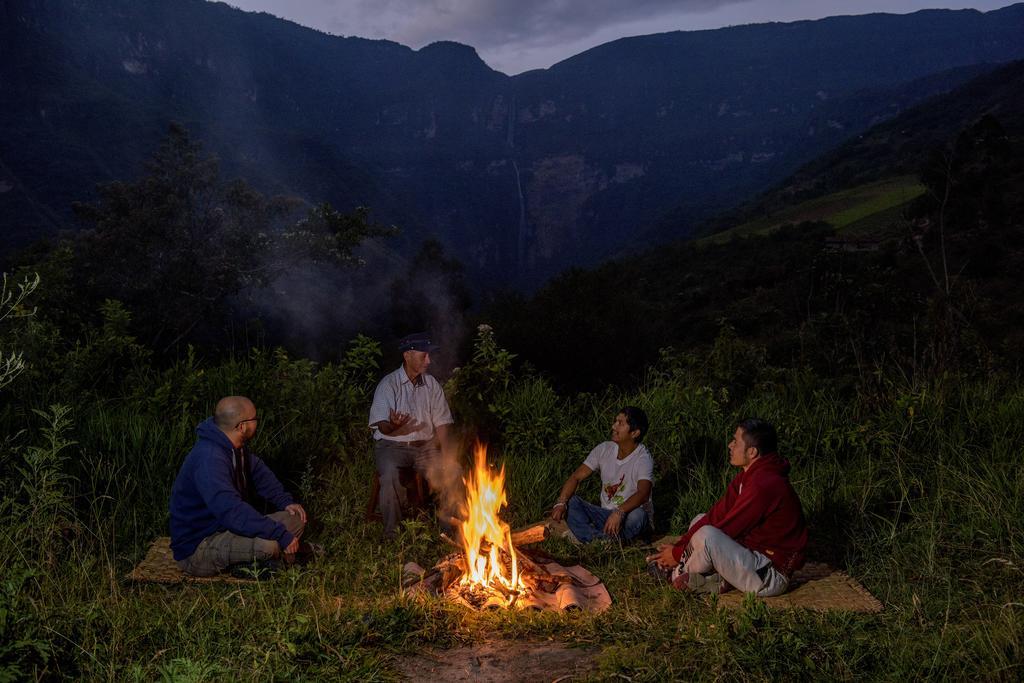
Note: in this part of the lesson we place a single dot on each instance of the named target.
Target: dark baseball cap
(420, 341)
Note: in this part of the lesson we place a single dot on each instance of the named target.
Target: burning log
(437, 580)
(535, 533)
(545, 585)
(452, 569)
(529, 565)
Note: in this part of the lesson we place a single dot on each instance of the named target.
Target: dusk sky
(518, 35)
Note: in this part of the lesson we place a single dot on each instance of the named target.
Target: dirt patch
(501, 661)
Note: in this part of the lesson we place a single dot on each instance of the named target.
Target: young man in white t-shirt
(627, 475)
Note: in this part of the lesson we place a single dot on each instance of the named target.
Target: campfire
(491, 565)
(492, 570)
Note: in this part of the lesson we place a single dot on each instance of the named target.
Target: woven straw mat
(816, 586)
(158, 566)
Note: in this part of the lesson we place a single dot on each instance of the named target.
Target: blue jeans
(587, 521)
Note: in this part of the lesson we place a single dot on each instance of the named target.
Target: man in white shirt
(410, 421)
(627, 475)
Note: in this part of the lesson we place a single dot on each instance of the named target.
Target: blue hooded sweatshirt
(204, 499)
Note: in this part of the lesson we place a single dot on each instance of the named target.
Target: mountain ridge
(520, 176)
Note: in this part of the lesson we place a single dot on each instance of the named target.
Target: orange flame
(485, 495)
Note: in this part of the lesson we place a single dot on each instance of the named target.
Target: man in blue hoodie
(213, 525)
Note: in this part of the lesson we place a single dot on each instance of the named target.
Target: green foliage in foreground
(915, 490)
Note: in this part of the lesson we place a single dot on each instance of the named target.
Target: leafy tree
(433, 289)
(176, 245)
(474, 388)
(13, 305)
(965, 229)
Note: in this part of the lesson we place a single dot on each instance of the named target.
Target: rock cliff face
(520, 177)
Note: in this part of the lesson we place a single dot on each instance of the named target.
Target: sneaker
(309, 552)
(659, 572)
(699, 583)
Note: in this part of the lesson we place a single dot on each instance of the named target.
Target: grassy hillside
(896, 148)
(863, 210)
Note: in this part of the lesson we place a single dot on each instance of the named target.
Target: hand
(293, 547)
(558, 512)
(664, 557)
(397, 419)
(614, 523)
(296, 509)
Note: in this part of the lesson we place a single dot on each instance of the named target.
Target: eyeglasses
(248, 419)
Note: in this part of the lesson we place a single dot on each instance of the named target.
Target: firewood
(525, 564)
(451, 568)
(547, 578)
(450, 541)
(412, 573)
(531, 534)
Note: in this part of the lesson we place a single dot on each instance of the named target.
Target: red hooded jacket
(760, 511)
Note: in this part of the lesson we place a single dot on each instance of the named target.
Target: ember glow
(487, 541)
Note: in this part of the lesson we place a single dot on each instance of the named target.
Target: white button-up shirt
(423, 400)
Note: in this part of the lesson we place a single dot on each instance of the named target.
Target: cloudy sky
(517, 35)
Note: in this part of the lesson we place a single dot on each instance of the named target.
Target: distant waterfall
(522, 237)
(510, 132)
(510, 139)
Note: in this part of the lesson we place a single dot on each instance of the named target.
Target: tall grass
(915, 490)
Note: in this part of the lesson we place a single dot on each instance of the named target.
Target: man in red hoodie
(754, 537)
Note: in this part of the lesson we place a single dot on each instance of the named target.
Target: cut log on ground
(534, 533)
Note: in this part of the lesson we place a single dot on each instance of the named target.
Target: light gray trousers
(712, 550)
(443, 477)
(219, 551)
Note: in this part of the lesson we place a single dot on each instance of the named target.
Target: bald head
(231, 410)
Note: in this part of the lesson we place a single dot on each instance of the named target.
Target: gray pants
(443, 478)
(712, 550)
(219, 551)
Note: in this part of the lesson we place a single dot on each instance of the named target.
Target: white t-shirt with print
(619, 477)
